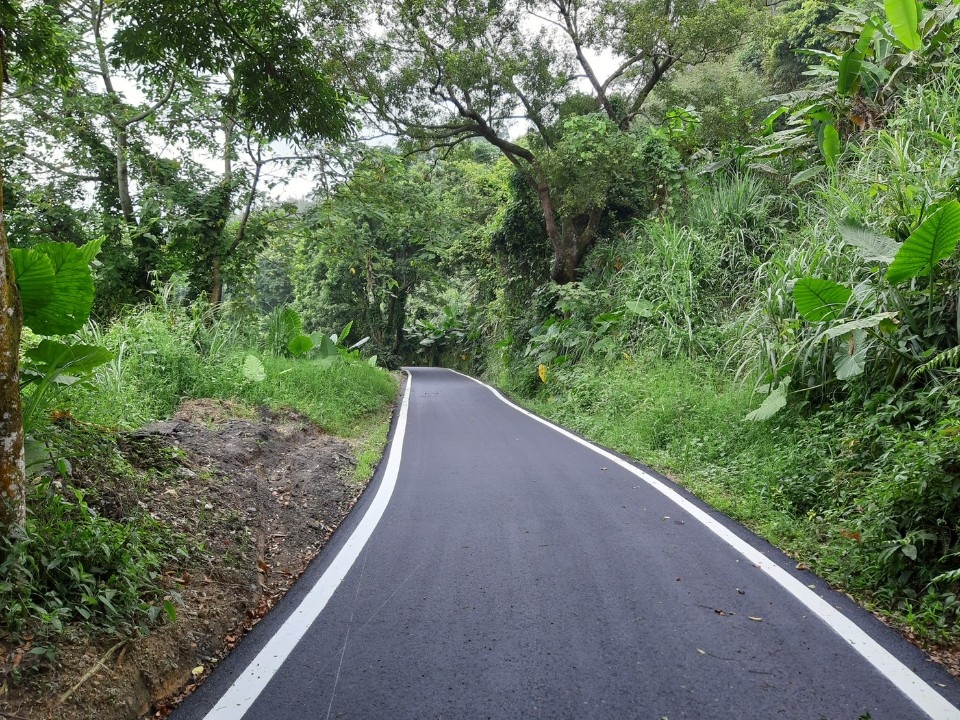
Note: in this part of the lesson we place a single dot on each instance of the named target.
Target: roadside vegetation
(89, 553)
(732, 256)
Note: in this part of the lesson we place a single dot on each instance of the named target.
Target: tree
(446, 71)
(377, 240)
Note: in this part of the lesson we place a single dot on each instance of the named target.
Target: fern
(947, 358)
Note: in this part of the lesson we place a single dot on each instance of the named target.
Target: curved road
(500, 568)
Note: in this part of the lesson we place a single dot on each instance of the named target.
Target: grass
(369, 448)
(340, 397)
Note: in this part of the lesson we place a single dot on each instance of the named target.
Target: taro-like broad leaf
(859, 324)
(873, 247)
(933, 241)
(253, 369)
(71, 296)
(299, 345)
(904, 16)
(772, 404)
(851, 359)
(326, 347)
(36, 279)
(51, 358)
(820, 300)
(641, 307)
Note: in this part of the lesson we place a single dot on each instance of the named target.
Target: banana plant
(875, 51)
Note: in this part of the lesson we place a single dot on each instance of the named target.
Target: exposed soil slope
(258, 497)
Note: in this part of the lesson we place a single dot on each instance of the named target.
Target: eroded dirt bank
(256, 498)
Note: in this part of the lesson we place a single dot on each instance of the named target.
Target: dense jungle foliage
(719, 238)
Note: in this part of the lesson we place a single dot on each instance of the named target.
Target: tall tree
(378, 238)
(447, 70)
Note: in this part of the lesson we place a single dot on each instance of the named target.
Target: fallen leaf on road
(197, 671)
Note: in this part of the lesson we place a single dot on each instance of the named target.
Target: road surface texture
(500, 568)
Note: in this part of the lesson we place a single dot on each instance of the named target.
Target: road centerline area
(516, 574)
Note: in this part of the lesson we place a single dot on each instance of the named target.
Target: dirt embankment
(257, 498)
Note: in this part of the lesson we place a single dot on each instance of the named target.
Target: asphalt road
(514, 572)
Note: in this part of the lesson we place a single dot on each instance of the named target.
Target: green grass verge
(340, 397)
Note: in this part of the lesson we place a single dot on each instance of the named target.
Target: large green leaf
(253, 369)
(52, 358)
(904, 16)
(860, 324)
(851, 359)
(772, 404)
(933, 241)
(90, 250)
(849, 71)
(872, 246)
(36, 279)
(830, 144)
(71, 296)
(326, 347)
(299, 345)
(820, 300)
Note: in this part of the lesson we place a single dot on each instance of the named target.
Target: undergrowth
(91, 551)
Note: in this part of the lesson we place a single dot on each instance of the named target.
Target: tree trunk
(569, 245)
(12, 482)
(12, 503)
(216, 289)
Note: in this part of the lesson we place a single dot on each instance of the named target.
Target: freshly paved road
(516, 573)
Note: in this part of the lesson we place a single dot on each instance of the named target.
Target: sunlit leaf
(253, 369)
(933, 241)
(903, 15)
(35, 279)
(820, 300)
(71, 296)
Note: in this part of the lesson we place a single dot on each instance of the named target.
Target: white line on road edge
(238, 698)
(902, 677)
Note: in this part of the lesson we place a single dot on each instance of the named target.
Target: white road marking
(903, 678)
(250, 683)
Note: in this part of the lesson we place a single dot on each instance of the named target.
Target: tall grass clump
(337, 396)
